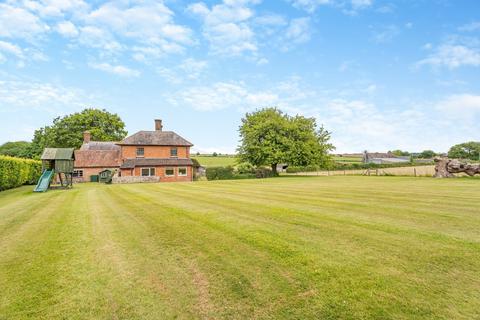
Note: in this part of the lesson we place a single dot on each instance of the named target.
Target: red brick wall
(160, 172)
(130, 152)
(87, 172)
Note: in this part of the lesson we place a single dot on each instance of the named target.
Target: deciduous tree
(271, 137)
(468, 150)
(67, 132)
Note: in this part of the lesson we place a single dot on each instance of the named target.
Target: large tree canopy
(468, 150)
(19, 149)
(67, 131)
(271, 137)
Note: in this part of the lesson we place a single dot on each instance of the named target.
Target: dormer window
(140, 152)
(173, 152)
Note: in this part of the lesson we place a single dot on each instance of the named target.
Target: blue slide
(44, 181)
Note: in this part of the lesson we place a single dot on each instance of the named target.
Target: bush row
(355, 166)
(241, 172)
(15, 172)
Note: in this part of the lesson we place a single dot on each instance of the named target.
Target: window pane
(182, 171)
(145, 172)
(173, 152)
(140, 152)
(152, 172)
(169, 172)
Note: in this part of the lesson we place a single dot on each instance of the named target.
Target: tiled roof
(58, 154)
(147, 162)
(97, 158)
(156, 138)
(100, 145)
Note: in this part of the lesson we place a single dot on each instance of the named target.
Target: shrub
(261, 173)
(220, 173)
(15, 172)
(245, 168)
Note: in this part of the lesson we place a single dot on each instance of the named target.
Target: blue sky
(380, 75)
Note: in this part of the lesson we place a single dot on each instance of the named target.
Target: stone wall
(131, 179)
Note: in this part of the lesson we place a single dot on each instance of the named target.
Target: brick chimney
(87, 136)
(158, 125)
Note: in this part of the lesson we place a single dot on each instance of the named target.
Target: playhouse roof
(58, 154)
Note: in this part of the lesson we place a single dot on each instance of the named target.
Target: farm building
(146, 155)
(383, 158)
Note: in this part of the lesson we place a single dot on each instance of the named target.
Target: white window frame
(170, 175)
(150, 171)
(79, 173)
(140, 156)
(182, 175)
(174, 156)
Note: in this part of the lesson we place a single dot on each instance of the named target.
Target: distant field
(348, 159)
(423, 171)
(219, 161)
(282, 248)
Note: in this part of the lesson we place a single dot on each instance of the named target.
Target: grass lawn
(285, 248)
(220, 161)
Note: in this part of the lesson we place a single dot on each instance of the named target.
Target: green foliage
(220, 173)
(246, 171)
(427, 154)
(353, 166)
(468, 150)
(270, 137)
(67, 132)
(400, 153)
(15, 172)
(18, 149)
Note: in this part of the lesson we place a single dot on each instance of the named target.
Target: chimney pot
(86, 137)
(158, 125)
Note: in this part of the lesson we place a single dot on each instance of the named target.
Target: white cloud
(298, 31)
(193, 68)
(473, 26)
(461, 106)
(348, 7)
(98, 38)
(385, 34)
(150, 23)
(16, 22)
(56, 8)
(43, 96)
(115, 69)
(223, 95)
(226, 28)
(67, 29)
(10, 48)
(453, 56)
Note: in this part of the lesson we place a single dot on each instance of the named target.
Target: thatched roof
(153, 162)
(156, 138)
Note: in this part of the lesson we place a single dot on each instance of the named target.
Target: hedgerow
(15, 172)
(354, 166)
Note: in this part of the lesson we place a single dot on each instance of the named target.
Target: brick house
(158, 153)
(94, 157)
(151, 154)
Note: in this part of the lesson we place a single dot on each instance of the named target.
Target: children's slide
(44, 181)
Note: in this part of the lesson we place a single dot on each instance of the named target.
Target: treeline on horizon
(301, 142)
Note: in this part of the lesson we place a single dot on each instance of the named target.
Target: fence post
(415, 172)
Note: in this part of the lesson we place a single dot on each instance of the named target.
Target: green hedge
(230, 173)
(15, 172)
(355, 166)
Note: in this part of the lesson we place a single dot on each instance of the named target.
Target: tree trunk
(274, 169)
(445, 168)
